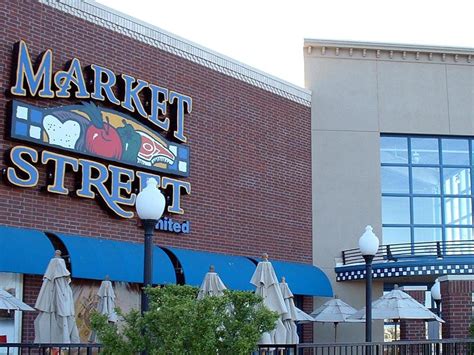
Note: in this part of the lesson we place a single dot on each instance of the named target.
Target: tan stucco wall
(359, 91)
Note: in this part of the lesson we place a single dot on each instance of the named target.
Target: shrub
(179, 323)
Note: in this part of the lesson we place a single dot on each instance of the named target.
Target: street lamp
(436, 295)
(150, 205)
(368, 246)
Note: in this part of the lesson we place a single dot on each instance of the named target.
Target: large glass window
(426, 188)
(394, 150)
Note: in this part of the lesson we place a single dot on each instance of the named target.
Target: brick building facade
(413, 329)
(457, 305)
(248, 134)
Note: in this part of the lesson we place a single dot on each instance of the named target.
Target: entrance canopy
(24, 251)
(28, 251)
(94, 258)
(235, 271)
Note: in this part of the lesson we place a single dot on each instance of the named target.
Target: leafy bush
(178, 323)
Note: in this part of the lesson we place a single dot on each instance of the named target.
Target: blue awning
(303, 279)
(24, 251)
(93, 258)
(235, 271)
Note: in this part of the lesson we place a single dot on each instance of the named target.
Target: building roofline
(308, 42)
(119, 22)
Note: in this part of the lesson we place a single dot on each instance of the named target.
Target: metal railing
(277, 349)
(412, 251)
(49, 349)
(419, 347)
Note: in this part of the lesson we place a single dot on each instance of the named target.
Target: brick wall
(413, 329)
(32, 286)
(250, 149)
(307, 327)
(456, 307)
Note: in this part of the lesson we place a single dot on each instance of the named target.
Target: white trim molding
(413, 288)
(116, 21)
(456, 278)
(388, 51)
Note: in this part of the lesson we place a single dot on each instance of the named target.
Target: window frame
(443, 197)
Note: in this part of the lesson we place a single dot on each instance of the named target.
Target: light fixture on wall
(415, 157)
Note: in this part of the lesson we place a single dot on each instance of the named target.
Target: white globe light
(436, 291)
(150, 203)
(368, 242)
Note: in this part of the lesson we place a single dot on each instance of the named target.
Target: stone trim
(456, 278)
(413, 288)
(388, 52)
(113, 20)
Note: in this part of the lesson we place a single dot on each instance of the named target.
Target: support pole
(149, 226)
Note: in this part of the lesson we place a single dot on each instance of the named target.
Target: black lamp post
(368, 246)
(436, 295)
(150, 205)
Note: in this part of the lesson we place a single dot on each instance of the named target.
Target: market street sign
(88, 130)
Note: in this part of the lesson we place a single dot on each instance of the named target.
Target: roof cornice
(389, 51)
(116, 21)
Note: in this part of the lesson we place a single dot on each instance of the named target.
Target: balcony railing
(411, 251)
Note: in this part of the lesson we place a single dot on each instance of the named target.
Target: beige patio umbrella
(289, 323)
(268, 288)
(106, 304)
(11, 303)
(56, 322)
(334, 311)
(303, 317)
(397, 305)
(212, 285)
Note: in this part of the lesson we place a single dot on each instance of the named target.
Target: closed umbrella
(56, 322)
(266, 283)
(334, 311)
(106, 305)
(11, 303)
(289, 321)
(212, 285)
(397, 305)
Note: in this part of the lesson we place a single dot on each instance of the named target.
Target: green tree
(178, 323)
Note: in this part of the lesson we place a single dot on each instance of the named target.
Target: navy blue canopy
(235, 271)
(93, 258)
(24, 251)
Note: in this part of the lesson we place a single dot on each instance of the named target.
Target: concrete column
(413, 329)
(456, 305)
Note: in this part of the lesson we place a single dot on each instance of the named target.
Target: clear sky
(269, 34)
